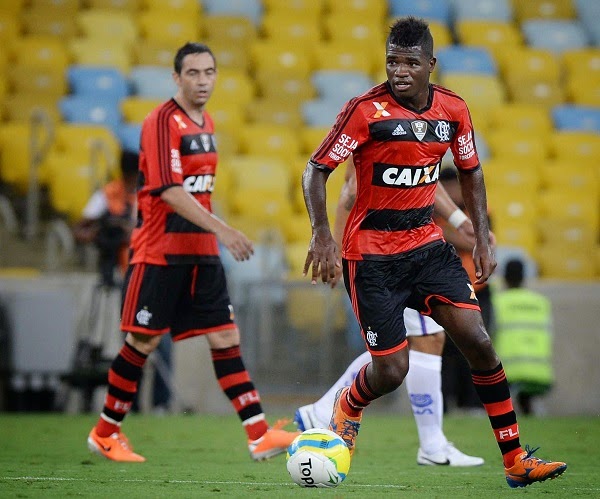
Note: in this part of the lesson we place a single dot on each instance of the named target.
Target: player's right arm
(186, 206)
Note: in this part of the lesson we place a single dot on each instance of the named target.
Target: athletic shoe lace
(529, 459)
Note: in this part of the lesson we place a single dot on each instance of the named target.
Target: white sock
(324, 406)
(424, 385)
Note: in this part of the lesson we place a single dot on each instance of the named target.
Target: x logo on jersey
(380, 109)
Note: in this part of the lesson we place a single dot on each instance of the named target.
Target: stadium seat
(535, 65)
(347, 57)
(588, 14)
(234, 85)
(128, 135)
(41, 52)
(569, 204)
(228, 116)
(19, 107)
(517, 235)
(48, 22)
(518, 146)
(544, 9)
(364, 31)
(135, 109)
(297, 230)
(15, 155)
(556, 263)
(75, 139)
(43, 81)
(188, 8)
(98, 81)
(269, 140)
(574, 145)
(566, 174)
(431, 10)
(10, 27)
(153, 82)
(521, 117)
(13, 8)
(230, 29)
(368, 10)
(581, 118)
(507, 173)
(478, 90)
(496, 36)
(276, 112)
(571, 234)
(82, 109)
(466, 60)
(248, 8)
(582, 62)
(131, 6)
(555, 35)
(310, 139)
(340, 86)
(491, 10)
(583, 90)
(168, 28)
(109, 24)
(285, 88)
(101, 52)
(539, 93)
(274, 59)
(280, 28)
(154, 53)
(320, 112)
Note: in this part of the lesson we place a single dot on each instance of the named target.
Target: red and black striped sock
(360, 394)
(237, 385)
(493, 391)
(123, 377)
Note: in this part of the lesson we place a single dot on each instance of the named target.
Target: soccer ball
(318, 458)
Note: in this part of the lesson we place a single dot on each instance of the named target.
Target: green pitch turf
(201, 456)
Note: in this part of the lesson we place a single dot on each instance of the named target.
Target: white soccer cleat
(306, 418)
(448, 456)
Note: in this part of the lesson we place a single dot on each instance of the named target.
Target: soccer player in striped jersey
(393, 254)
(175, 282)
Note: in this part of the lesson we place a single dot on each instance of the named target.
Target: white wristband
(457, 218)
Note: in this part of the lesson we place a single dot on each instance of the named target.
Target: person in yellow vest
(524, 337)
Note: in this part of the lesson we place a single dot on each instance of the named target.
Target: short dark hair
(514, 272)
(411, 32)
(191, 48)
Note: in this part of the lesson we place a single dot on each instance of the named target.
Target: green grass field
(200, 455)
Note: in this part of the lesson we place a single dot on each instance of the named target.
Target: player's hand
(485, 262)
(322, 254)
(339, 276)
(236, 242)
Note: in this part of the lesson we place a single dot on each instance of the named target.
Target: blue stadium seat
(340, 86)
(581, 118)
(432, 10)
(154, 82)
(490, 10)
(97, 81)
(248, 8)
(319, 112)
(555, 35)
(588, 12)
(129, 136)
(461, 59)
(97, 111)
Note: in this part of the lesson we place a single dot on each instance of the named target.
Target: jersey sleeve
(160, 146)
(463, 145)
(349, 131)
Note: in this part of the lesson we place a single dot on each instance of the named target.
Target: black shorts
(185, 300)
(380, 290)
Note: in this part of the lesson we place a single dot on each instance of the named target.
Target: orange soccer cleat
(115, 447)
(345, 426)
(528, 469)
(275, 441)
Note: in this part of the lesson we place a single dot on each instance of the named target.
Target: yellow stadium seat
(10, 26)
(507, 144)
(582, 62)
(48, 22)
(281, 28)
(511, 207)
(479, 91)
(583, 90)
(572, 174)
(101, 52)
(13, 7)
(275, 59)
(44, 81)
(297, 230)
(189, 8)
(259, 172)
(233, 86)
(371, 10)
(513, 233)
(41, 52)
(569, 233)
(570, 204)
(355, 30)
(537, 93)
(229, 55)
(506, 173)
(132, 6)
(276, 112)
(295, 253)
(154, 53)
(263, 206)
(269, 140)
(311, 138)
(168, 28)
(557, 263)
(68, 7)
(346, 56)
(529, 119)
(228, 116)
(135, 109)
(543, 9)
(577, 146)
(108, 24)
(19, 107)
(286, 88)
(535, 65)
(306, 9)
(230, 30)
(325, 306)
(496, 36)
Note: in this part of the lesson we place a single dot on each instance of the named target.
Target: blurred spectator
(523, 338)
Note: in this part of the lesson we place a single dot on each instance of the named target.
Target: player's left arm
(473, 191)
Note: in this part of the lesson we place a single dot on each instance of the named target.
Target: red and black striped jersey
(175, 150)
(397, 153)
